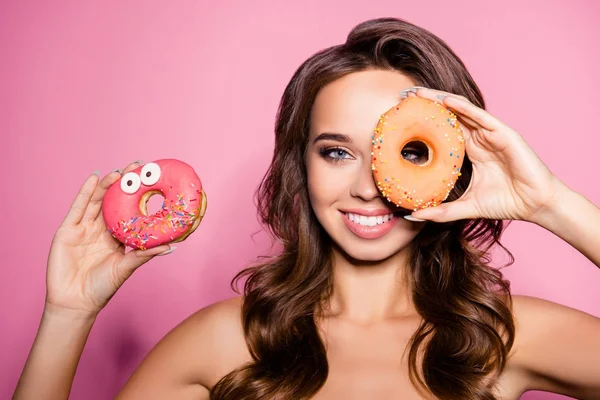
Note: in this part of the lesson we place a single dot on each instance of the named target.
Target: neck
(367, 292)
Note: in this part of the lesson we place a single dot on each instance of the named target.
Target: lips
(371, 226)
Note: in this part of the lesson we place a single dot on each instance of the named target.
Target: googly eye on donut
(124, 207)
(417, 153)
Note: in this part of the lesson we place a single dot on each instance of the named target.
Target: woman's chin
(372, 253)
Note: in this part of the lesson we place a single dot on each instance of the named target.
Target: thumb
(446, 212)
(135, 258)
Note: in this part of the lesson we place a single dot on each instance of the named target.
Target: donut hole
(151, 202)
(417, 152)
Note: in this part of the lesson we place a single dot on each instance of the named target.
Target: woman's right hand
(86, 265)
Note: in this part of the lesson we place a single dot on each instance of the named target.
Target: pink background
(88, 85)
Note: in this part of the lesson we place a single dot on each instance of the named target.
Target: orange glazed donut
(417, 123)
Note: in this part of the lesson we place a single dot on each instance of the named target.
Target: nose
(364, 185)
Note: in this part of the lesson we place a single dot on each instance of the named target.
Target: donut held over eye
(124, 207)
(417, 153)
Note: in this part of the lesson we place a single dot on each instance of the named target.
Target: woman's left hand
(509, 180)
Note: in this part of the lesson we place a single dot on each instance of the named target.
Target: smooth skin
(557, 348)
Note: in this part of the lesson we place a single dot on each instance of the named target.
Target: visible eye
(416, 152)
(130, 182)
(334, 153)
(150, 174)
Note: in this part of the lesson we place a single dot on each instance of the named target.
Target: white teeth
(369, 221)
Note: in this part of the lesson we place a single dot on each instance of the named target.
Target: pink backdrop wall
(95, 85)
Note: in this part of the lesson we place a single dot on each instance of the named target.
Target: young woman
(417, 312)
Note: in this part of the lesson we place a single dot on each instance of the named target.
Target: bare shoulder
(217, 334)
(556, 347)
(534, 316)
(193, 356)
(529, 312)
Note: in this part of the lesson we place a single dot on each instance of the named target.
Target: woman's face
(341, 188)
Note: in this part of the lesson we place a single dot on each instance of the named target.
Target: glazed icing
(124, 204)
(402, 182)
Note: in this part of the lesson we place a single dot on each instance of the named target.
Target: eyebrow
(338, 137)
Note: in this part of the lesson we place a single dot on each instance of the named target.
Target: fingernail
(441, 96)
(97, 172)
(164, 253)
(118, 170)
(138, 161)
(414, 89)
(411, 218)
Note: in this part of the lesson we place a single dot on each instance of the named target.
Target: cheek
(327, 183)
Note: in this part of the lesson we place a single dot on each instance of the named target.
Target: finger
(432, 94)
(95, 204)
(82, 200)
(467, 124)
(93, 211)
(467, 109)
(446, 212)
(135, 258)
(132, 166)
(461, 105)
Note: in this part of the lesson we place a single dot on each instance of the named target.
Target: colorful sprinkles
(175, 217)
(400, 191)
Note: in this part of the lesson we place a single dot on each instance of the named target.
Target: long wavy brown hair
(467, 329)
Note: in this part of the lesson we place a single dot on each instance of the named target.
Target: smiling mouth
(370, 221)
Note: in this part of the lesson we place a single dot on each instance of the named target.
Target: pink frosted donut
(125, 212)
